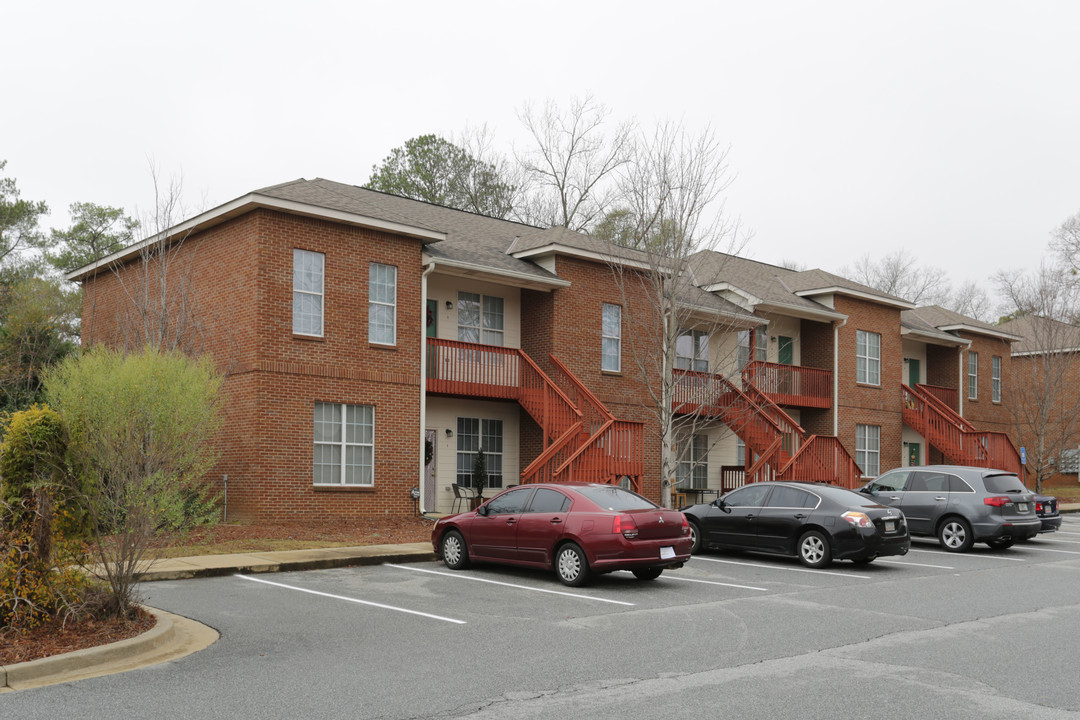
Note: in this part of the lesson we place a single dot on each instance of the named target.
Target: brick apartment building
(357, 329)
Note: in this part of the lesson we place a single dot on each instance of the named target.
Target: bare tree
(569, 171)
(672, 192)
(1041, 394)
(1065, 241)
(899, 274)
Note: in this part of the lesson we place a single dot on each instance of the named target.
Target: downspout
(960, 390)
(836, 377)
(423, 377)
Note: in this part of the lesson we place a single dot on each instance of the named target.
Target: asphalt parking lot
(984, 634)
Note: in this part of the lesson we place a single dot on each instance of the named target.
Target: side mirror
(722, 505)
(482, 510)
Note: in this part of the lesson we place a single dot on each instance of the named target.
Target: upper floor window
(480, 318)
(611, 338)
(973, 376)
(868, 449)
(867, 358)
(761, 339)
(382, 304)
(692, 351)
(995, 378)
(307, 285)
(344, 444)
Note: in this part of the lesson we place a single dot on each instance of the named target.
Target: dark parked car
(1046, 507)
(960, 505)
(817, 523)
(576, 529)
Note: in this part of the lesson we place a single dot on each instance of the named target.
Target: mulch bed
(55, 638)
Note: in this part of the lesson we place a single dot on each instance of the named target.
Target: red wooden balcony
(791, 385)
(949, 396)
(954, 436)
(582, 441)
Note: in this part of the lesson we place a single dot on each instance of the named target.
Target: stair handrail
(848, 479)
(766, 458)
(529, 473)
(943, 408)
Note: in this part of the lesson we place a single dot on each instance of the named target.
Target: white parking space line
(713, 582)
(783, 567)
(913, 564)
(461, 576)
(1057, 540)
(979, 556)
(349, 599)
(1042, 549)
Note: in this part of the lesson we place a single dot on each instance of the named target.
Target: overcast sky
(951, 129)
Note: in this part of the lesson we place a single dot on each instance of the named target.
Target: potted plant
(479, 476)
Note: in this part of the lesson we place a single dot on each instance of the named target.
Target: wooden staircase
(782, 449)
(957, 439)
(582, 440)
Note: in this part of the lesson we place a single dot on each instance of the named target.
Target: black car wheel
(454, 553)
(572, 566)
(695, 535)
(954, 534)
(1002, 544)
(647, 573)
(814, 550)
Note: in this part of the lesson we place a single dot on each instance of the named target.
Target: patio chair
(462, 494)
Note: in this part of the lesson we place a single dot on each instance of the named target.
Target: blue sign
(1023, 456)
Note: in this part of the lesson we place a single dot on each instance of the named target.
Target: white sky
(951, 129)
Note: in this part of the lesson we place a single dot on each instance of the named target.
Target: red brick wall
(983, 412)
(241, 280)
(817, 351)
(864, 404)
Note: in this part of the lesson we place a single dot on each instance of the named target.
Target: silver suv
(960, 505)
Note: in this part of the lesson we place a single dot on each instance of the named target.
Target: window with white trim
(472, 434)
(611, 338)
(480, 318)
(692, 351)
(307, 284)
(868, 449)
(761, 349)
(344, 444)
(867, 358)
(382, 304)
(973, 376)
(693, 469)
(740, 452)
(995, 378)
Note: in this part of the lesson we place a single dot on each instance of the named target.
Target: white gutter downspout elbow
(423, 377)
(836, 377)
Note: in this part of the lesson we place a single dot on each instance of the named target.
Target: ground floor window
(472, 434)
(344, 444)
(693, 469)
(868, 449)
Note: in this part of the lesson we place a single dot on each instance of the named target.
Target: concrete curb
(173, 636)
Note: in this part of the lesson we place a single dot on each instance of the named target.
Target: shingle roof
(945, 319)
(1041, 334)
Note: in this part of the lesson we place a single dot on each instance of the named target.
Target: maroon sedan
(577, 529)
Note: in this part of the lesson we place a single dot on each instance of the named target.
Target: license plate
(1022, 507)
(890, 526)
(667, 552)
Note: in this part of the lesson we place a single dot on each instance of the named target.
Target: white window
(472, 434)
(692, 351)
(480, 318)
(761, 349)
(868, 449)
(611, 342)
(995, 379)
(693, 469)
(344, 444)
(973, 376)
(740, 452)
(382, 304)
(867, 358)
(307, 284)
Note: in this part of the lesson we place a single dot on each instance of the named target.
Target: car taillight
(685, 526)
(1038, 507)
(997, 501)
(858, 519)
(624, 525)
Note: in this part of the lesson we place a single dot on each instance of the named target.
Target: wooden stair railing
(954, 436)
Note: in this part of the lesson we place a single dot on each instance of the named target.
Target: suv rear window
(615, 498)
(1003, 484)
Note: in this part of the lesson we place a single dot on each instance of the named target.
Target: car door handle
(555, 521)
(510, 521)
(941, 497)
(750, 516)
(799, 516)
(894, 498)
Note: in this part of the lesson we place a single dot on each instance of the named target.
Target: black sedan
(815, 522)
(1046, 507)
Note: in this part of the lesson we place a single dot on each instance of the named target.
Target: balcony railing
(954, 436)
(946, 395)
(791, 384)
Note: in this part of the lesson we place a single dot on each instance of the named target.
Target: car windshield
(616, 498)
(1003, 484)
